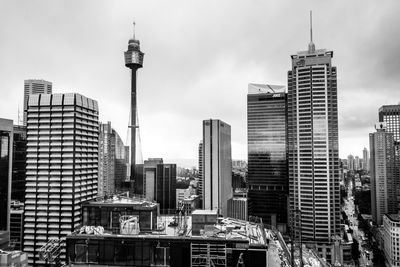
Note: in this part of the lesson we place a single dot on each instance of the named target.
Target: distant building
(357, 163)
(350, 162)
(366, 159)
(266, 141)
(238, 206)
(383, 191)
(62, 167)
(6, 152)
(391, 238)
(112, 161)
(34, 87)
(217, 166)
(19, 164)
(181, 194)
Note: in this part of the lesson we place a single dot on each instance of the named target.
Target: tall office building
(313, 147)
(383, 191)
(200, 183)
(34, 87)
(150, 177)
(366, 159)
(19, 164)
(62, 167)
(266, 141)
(217, 166)
(6, 151)
(112, 161)
(390, 114)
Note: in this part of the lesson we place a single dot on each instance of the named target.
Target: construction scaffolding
(208, 255)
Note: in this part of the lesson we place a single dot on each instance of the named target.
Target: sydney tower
(134, 61)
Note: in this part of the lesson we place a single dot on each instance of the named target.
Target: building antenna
(311, 26)
(311, 46)
(134, 26)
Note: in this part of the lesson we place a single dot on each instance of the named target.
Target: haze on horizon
(199, 58)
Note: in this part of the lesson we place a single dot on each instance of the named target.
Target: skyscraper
(313, 147)
(6, 150)
(266, 141)
(357, 164)
(62, 166)
(112, 161)
(34, 87)
(217, 165)
(366, 159)
(133, 61)
(383, 191)
(390, 114)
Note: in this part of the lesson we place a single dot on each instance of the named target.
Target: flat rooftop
(257, 89)
(122, 201)
(225, 229)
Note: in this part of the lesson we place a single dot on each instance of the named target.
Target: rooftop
(257, 89)
(122, 201)
(394, 217)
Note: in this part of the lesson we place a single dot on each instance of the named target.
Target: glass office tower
(267, 166)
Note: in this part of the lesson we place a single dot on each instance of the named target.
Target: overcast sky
(199, 58)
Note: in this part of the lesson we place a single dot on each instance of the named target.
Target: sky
(200, 57)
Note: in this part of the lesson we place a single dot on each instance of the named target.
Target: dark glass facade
(267, 166)
(166, 188)
(19, 164)
(5, 158)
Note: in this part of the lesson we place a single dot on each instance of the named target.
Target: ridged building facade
(62, 167)
(34, 87)
(313, 155)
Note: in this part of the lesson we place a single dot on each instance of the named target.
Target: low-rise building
(13, 258)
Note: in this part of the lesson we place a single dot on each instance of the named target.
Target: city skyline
(79, 48)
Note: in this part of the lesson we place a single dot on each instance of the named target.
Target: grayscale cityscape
(200, 133)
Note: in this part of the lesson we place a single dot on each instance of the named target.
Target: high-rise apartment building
(6, 151)
(390, 114)
(62, 167)
(383, 191)
(19, 164)
(34, 87)
(266, 141)
(112, 161)
(366, 159)
(217, 166)
(200, 183)
(313, 147)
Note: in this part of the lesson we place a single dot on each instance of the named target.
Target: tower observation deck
(134, 61)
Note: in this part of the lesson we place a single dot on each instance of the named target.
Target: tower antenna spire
(311, 26)
(134, 26)
(311, 46)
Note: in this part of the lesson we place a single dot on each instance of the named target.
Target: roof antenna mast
(134, 26)
(311, 46)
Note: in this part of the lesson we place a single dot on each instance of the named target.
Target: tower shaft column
(133, 123)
